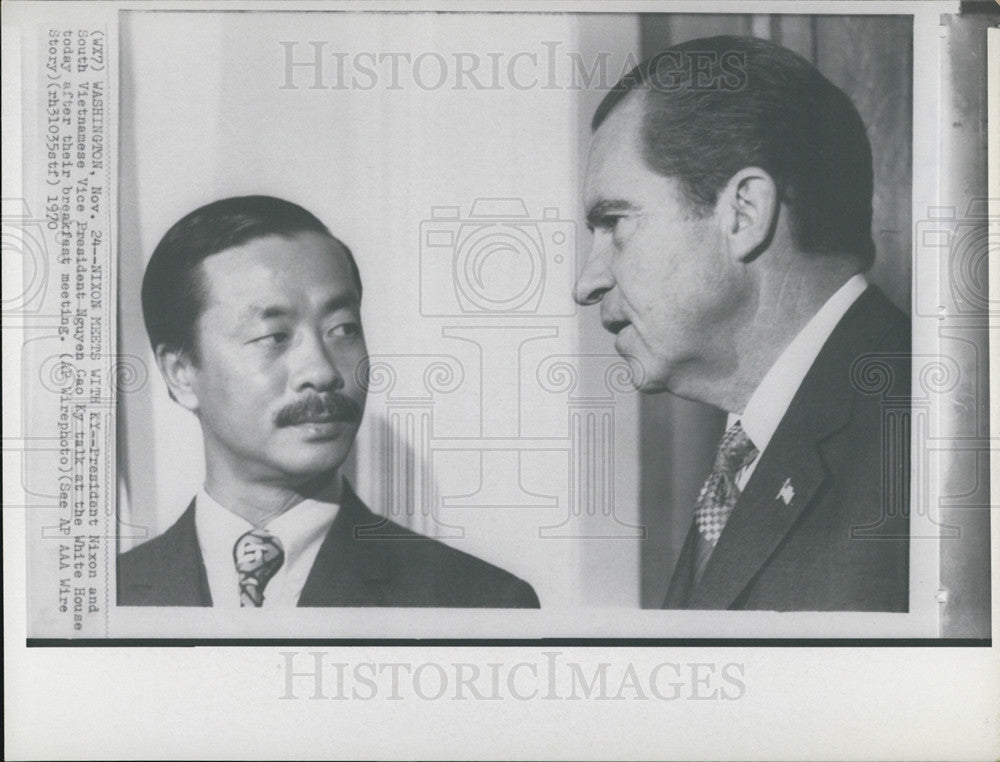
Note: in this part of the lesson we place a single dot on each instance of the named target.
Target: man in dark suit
(729, 190)
(253, 312)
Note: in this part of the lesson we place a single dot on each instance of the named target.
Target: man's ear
(178, 371)
(747, 209)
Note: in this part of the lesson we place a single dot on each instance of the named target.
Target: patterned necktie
(719, 494)
(258, 555)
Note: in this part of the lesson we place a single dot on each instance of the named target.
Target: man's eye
(608, 222)
(346, 329)
(272, 339)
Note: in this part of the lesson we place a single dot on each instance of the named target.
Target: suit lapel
(175, 575)
(352, 565)
(679, 591)
(792, 468)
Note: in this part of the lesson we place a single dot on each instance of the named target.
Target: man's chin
(314, 454)
(653, 388)
(637, 376)
(628, 376)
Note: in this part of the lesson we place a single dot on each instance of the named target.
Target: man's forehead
(622, 127)
(278, 246)
(615, 151)
(273, 266)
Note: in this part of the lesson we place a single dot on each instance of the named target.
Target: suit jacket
(365, 560)
(823, 523)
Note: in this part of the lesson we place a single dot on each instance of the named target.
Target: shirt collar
(770, 400)
(307, 523)
(300, 530)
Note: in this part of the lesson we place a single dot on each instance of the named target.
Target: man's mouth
(322, 430)
(317, 419)
(615, 326)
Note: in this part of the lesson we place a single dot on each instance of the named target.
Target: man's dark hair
(713, 106)
(173, 294)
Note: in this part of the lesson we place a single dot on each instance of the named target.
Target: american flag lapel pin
(787, 492)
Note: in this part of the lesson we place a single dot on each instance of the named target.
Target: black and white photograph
(615, 295)
(450, 353)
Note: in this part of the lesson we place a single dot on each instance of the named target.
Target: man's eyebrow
(601, 209)
(257, 312)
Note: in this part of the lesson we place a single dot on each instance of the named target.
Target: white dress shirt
(300, 530)
(770, 400)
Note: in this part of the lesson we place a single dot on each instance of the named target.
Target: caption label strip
(79, 373)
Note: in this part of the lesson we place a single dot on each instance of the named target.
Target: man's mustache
(319, 408)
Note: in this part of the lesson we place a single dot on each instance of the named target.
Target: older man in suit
(253, 312)
(729, 191)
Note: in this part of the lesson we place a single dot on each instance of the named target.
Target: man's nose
(313, 365)
(595, 280)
